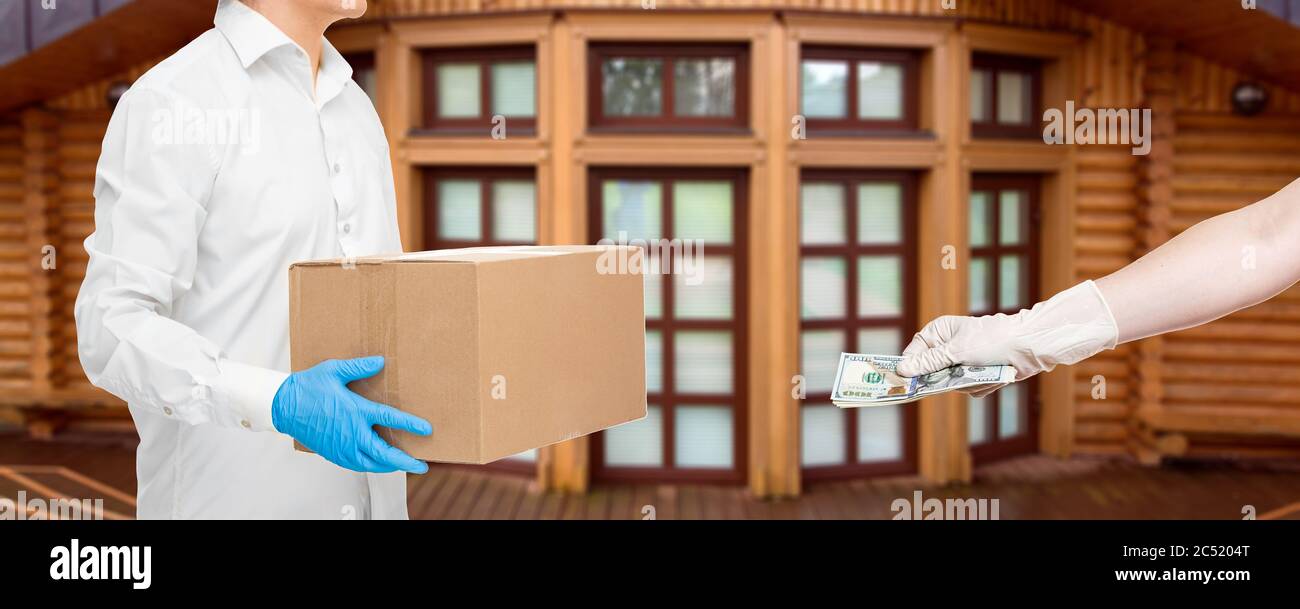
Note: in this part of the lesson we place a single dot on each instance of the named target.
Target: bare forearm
(1222, 265)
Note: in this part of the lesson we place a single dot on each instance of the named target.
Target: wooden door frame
(1031, 184)
(908, 180)
(667, 324)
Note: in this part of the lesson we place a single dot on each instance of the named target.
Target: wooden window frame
(995, 448)
(994, 65)
(668, 399)
(851, 125)
(485, 57)
(597, 121)
(906, 323)
(486, 176)
(361, 61)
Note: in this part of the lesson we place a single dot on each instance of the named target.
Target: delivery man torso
(220, 167)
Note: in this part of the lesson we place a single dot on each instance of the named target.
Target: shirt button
(347, 228)
(338, 169)
(167, 410)
(246, 424)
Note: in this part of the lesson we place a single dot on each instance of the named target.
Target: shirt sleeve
(152, 185)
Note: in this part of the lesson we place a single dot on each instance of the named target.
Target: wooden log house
(858, 167)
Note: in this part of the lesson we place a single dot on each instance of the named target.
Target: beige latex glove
(1069, 327)
(1224, 264)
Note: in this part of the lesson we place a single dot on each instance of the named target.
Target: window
(1003, 279)
(472, 207)
(668, 87)
(1004, 97)
(465, 88)
(857, 294)
(695, 321)
(851, 90)
(363, 72)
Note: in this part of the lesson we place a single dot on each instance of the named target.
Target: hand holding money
(873, 380)
(1067, 328)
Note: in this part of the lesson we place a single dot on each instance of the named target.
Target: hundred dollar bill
(861, 377)
(872, 380)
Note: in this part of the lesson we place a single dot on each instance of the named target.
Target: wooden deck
(1028, 488)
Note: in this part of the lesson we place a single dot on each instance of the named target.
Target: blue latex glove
(316, 408)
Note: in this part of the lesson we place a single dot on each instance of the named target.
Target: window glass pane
(639, 443)
(368, 79)
(514, 88)
(654, 361)
(880, 91)
(1009, 296)
(880, 286)
(703, 288)
(979, 286)
(704, 87)
(880, 213)
(702, 362)
(703, 436)
(458, 90)
(514, 211)
(1010, 214)
(979, 90)
(654, 293)
(977, 431)
(821, 435)
(885, 341)
(702, 210)
(979, 219)
(880, 433)
(460, 210)
(819, 356)
(632, 207)
(823, 288)
(1011, 410)
(822, 220)
(632, 86)
(1013, 98)
(825, 88)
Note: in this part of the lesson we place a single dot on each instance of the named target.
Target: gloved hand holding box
(500, 349)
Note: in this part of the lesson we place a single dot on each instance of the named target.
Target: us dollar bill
(872, 380)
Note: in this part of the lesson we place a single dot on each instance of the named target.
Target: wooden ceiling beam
(1256, 42)
(136, 32)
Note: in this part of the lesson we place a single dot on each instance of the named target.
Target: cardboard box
(501, 349)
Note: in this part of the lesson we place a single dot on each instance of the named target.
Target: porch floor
(86, 465)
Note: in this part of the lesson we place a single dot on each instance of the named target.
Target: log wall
(16, 313)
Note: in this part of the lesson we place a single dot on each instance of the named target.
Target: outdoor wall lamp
(1249, 99)
(115, 92)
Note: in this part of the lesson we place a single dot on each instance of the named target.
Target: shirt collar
(335, 72)
(251, 35)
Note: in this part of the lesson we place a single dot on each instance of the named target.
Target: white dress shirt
(221, 167)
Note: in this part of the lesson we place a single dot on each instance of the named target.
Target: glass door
(857, 293)
(1003, 279)
(695, 321)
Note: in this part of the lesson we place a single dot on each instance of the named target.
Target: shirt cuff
(248, 392)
